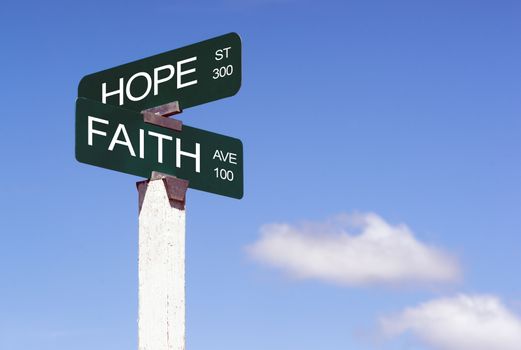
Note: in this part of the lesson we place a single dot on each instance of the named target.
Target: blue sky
(405, 109)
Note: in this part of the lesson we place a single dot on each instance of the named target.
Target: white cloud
(459, 323)
(353, 250)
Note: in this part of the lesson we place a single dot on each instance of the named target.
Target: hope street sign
(193, 75)
(119, 139)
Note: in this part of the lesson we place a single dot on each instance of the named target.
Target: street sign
(119, 139)
(193, 75)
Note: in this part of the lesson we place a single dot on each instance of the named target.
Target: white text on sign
(228, 157)
(160, 75)
(122, 138)
(222, 71)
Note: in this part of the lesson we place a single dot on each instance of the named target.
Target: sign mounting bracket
(175, 189)
(159, 116)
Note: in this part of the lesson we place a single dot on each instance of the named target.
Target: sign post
(122, 124)
(161, 324)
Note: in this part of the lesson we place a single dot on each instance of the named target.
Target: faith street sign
(119, 139)
(192, 75)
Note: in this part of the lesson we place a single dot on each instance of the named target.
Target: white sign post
(162, 263)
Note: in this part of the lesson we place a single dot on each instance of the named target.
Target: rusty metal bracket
(159, 116)
(175, 189)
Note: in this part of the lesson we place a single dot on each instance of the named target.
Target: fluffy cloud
(353, 250)
(459, 323)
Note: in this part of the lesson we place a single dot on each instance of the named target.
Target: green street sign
(193, 75)
(119, 139)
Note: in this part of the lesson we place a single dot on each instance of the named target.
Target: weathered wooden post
(162, 263)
